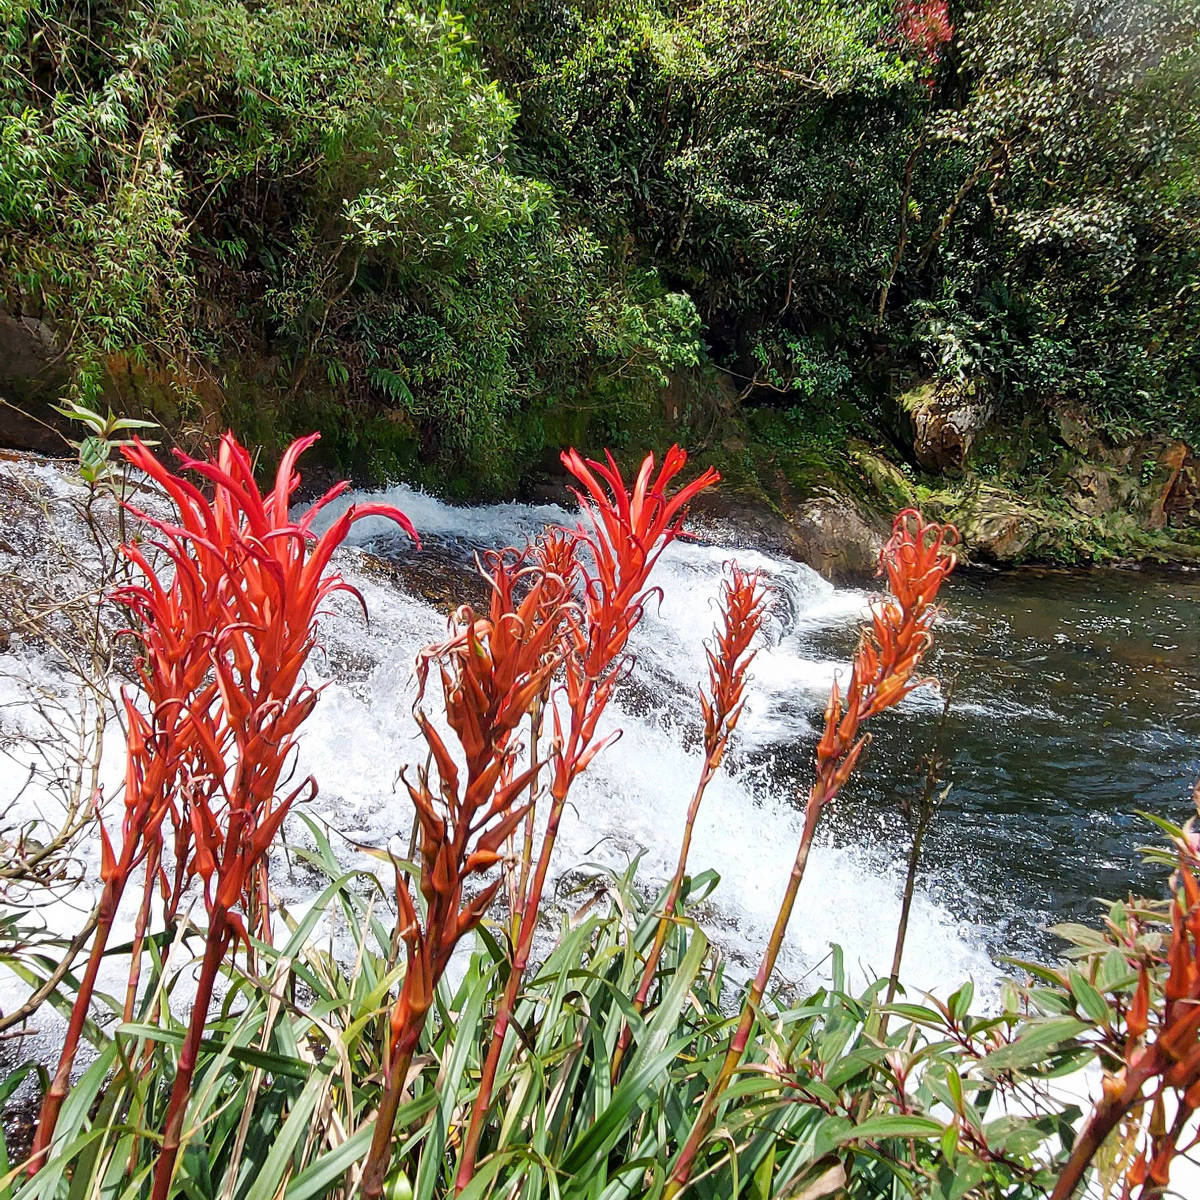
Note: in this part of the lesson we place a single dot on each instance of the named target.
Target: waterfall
(630, 803)
(632, 800)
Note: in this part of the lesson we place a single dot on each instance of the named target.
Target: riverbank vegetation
(438, 1023)
(459, 237)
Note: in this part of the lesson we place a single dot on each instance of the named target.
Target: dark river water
(1076, 705)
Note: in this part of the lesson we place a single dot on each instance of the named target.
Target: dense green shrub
(463, 230)
(183, 178)
(1024, 209)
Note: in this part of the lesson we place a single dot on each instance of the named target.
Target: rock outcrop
(945, 420)
(32, 377)
(828, 529)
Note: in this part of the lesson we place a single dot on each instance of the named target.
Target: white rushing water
(633, 798)
(631, 801)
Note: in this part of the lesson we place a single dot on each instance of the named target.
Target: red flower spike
(916, 561)
(493, 671)
(925, 26)
(744, 601)
(223, 642)
(628, 529)
(1162, 1053)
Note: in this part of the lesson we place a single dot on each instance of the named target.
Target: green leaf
(1089, 999)
(960, 1002)
(315, 1180)
(1034, 1044)
(898, 1126)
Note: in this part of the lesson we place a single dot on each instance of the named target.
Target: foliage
(1018, 204)
(288, 1069)
(332, 178)
(456, 230)
(95, 450)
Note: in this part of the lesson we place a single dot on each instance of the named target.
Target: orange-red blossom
(628, 527)
(1162, 1054)
(916, 560)
(493, 670)
(224, 640)
(744, 601)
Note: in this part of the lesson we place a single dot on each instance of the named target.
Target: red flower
(630, 526)
(224, 641)
(493, 671)
(916, 559)
(925, 26)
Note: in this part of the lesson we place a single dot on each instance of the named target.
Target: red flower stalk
(916, 560)
(223, 644)
(269, 576)
(630, 526)
(1162, 1054)
(555, 552)
(492, 671)
(925, 25)
(744, 601)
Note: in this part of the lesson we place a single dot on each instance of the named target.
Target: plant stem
(910, 880)
(664, 920)
(1102, 1122)
(219, 934)
(139, 936)
(52, 1102)
(927, 808)
(379, 1157)
(106, 912)
(536, 710)
(682, 1171)
(508, 1002)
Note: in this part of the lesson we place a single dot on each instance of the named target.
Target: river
(1077, 702)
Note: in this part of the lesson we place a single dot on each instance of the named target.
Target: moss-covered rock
(944, 421)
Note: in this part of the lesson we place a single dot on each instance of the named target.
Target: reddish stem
(508, 1001)
(219, 935)
(52, 1102)
(1102, 1122)
(139, 936)
(379, 1158)
(682, 1172)
(664, 920)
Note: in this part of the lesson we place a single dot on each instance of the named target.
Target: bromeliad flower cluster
(223, 641)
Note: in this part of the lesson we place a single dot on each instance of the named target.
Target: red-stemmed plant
(916, 560)
(223, 643)
(1161, 1055)
(628, 527)
(743, 605)
(493, 670)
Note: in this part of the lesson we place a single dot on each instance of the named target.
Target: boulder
(945, 420)
(828, 529)
(837, 537)
(1181, 506)
(998, 528)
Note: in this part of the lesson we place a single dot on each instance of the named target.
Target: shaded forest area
(456, 239)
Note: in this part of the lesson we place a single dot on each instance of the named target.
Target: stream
(1076, 703)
